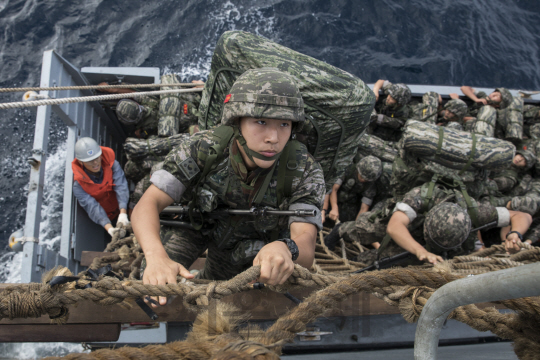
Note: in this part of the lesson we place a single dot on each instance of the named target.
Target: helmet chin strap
(250, 153)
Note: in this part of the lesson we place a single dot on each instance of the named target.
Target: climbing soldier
(426, 224)
(100, 185)
(359, 183)
(248, 161)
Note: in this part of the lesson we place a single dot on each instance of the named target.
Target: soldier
(248, 161)
(390, 113)
(500, 98)
(359, 183)
(143, 115)
(446, 227)
(454, 111)
(508, 179)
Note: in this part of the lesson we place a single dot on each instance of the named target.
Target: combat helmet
(87, 149)
(263, 93)
(529, 157)
(369, 168)
(506, 97)
(447, 226)
(400, 92)
(456, 107)
(129, 112)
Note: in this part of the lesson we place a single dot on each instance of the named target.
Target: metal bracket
(26, 239)
(312, 334)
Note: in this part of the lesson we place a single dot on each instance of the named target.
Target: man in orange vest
(100, 184)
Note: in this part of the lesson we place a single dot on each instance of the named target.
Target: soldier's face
(448, 115)
(520, 161)
(495, 96)
(390, 100)
(265, 136)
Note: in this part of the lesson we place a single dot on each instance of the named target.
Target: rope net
(408, 289)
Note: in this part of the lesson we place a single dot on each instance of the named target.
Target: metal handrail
(518, 282)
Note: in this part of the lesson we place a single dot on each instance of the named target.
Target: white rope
(22, 104)
(96, 87)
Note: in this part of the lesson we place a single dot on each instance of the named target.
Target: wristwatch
(293, 248)
(515, 232)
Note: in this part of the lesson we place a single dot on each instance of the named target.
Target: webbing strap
(472, 206)
(439, 145)
(262, 189)
(221, 136)
(427, 193)
(471, 156)
(150, 149)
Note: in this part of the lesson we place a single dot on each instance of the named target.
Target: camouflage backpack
(337, 104)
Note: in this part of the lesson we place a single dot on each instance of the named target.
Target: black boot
(332, 239)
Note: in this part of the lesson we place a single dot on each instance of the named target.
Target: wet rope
(96, 87)
(23, 104)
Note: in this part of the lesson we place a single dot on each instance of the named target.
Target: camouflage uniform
(337, 104)
(531, 118)
(387, 120)
(457, 107)
(352, 189)
(234, 241)
(371, 226)
(143, 114)
(427, 110)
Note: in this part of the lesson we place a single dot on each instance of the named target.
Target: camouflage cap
(264, 93)
(506, 97)
(129, 112)
(400, 92)
(369, 168)
(447, 226)
(530, 158)
(456, 107)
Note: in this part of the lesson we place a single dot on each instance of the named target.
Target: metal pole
(518, 282)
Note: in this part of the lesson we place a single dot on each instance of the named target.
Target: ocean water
(459, 42)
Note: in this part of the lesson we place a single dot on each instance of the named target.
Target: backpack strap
(471, 156)
(439, 145)
(221, 136)
(426, 192)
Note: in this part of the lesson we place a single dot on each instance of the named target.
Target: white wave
(49, 234)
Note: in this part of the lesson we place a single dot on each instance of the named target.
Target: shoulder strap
(221, 136)
(288, 170)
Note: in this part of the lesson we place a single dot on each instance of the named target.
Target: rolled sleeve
(120, 185)
(409, 211)
(95, 211)
(169, 184)
(315, 220)
(503, 216)
(367, 201)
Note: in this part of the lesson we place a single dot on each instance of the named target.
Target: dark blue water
(459, 42)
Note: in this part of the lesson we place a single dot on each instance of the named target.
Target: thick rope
(95, 87)
(23, 104)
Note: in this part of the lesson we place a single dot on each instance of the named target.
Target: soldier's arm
(469, 92)
(377, 87)
(334, 212)
(520, 222)
(160, 269)
(398, 231)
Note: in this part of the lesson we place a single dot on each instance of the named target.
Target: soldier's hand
(512, 243)
(483, 101)
(453, 96)
(425, 255)
(334, 214)
(162, 271)
(276, 263)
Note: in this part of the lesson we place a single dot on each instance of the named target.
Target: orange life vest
(103, 193)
